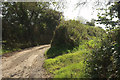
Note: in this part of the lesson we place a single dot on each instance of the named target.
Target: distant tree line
(91, 23)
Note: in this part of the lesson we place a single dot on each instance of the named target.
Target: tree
(107, 18)
(27, 24)
(104, 62)
(92, 23)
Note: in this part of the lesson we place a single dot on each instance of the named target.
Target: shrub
(104, 62)
(70, 34)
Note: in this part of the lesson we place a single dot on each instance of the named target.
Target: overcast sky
(87, 12)
(72, 12)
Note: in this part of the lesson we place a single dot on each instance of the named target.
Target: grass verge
(72, 64)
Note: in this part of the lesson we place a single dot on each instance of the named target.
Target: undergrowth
(72, 64)
(4, 51)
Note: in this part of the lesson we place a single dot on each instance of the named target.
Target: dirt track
(25, 64)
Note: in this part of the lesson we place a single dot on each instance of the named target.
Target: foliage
(92, 23)
(56, 51)
(77, 50)
(89, 23)
(73, 64)
(28, 24)
(104, 62)
(67, 33)
(111, 16)
(70, 34)
(59, 65)
(72, 71)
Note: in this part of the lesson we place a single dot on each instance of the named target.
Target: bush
(104, 62)
(70, 34)
(73, 64)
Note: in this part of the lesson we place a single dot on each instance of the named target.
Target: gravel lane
(25, 64)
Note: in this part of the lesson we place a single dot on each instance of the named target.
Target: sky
(85, 12)
(82, 12)
(73, 12)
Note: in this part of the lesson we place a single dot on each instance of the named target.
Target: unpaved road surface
(25, 64)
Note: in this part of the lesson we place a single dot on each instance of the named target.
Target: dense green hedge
(70, 34)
